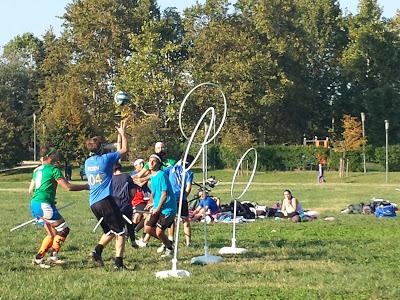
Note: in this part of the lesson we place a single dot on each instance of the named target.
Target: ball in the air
(121, 98)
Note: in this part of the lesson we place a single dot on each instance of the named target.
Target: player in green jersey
(44, 184)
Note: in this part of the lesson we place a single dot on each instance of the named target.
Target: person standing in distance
(99, 171)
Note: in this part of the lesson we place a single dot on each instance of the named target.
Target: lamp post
(363, 133)
(34, 136)
(387, 142)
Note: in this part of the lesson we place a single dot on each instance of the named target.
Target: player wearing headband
(44, 184)
(164, 204)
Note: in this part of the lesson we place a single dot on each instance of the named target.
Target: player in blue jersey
(176, 178)
(99, 171)
(164, 204)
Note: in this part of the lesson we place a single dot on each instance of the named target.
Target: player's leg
(187, 229)
(43, 213)
(163, 223)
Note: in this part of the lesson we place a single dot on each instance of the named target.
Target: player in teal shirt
(164, 204)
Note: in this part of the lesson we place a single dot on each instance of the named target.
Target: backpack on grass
(388, 210)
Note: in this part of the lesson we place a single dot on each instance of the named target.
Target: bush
(393, 157)
(355, 160)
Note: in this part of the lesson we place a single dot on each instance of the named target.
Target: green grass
(353, 257)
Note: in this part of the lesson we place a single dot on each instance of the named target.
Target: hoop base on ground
(232, 250)
(206, 259)
(173, 273)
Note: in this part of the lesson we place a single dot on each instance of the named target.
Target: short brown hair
(47, 150)
(94, 144)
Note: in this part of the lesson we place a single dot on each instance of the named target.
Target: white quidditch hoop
(206, 258)
(174, 272)
(233, 249)
(223, 115)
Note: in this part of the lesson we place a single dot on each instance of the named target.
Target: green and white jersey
(168, 163)
(45, 178)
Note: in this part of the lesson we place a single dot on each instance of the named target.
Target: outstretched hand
(122, 127)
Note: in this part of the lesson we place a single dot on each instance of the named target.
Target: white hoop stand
(233, 249)
(174, 272)
(206, 258)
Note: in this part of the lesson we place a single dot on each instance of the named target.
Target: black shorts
(112, 217)
(185, 209)
(161, 221)
(140, 207)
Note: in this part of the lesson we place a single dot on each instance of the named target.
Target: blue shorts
(45, 211)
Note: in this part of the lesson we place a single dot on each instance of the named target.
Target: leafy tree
(81, 68)
(11, 148)
(352, 138)
(371, 73)
(152, 74)
(21, 79)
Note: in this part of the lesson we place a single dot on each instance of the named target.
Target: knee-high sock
(57, 242)
(46, 244)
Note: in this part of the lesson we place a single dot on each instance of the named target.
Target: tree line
(289, 69)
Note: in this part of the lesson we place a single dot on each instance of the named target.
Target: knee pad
(62, 230)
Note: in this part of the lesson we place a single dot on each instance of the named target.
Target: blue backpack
(385, 211)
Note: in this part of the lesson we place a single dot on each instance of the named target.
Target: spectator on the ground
(208, 205)
(290, 208)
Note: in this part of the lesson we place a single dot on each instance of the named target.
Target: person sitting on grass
(208, 205)
(290, 208)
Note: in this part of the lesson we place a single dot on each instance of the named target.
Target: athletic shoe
(97, 260)
(141, 243)
(120, 268)
(167, 253)
(54, 259)
(40, 263)
(134, 244)
(161, 248)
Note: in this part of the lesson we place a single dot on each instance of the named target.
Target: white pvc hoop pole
(210, 109)
(204, 166)
(244, 190)
(187, 97)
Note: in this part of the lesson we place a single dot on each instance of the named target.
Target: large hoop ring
(223, 117)
(237, 170)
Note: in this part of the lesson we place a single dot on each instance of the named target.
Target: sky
(20, 16)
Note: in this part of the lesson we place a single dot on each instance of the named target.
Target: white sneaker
(40, 263)
(167, 253)
(161, 248)
(54, 259)
(141, 243)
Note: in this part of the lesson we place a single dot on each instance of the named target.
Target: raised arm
(124, 140)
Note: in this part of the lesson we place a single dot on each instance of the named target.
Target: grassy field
(353, 257)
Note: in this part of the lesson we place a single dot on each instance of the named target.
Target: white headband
(138, 161)
(156, 157)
